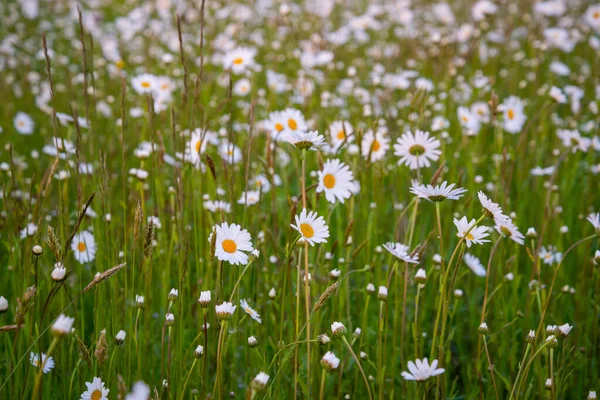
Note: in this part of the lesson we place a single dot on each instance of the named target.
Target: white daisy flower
(144, 83)
(230, 153)
(416, 151)
(420, 370)
(437, 193)
(47, 362)
(23, 123)
(140, 391)
(507, 228)
(3, 304)
(490, 209)
(475, 233)
(514, 116)
(62, 325)
(260, 183)
(592, 17)
(95, 390)
(330, 362)
(260, 381)
(306, 140)
(232, 243)
(336, 180)
(225, 310)
(84, 247)
(549, 255)
(557, 95)
(594, 220)
(29, 230)
(239, 59)
(341, 132)
(277, 123)
(217, 206)
(249, 198)
(375, 145)
(250, 311)
(401, 251)
(311, 227)
(474, 264)
(470, 123)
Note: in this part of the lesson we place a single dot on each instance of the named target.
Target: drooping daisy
(311, 227)
(95, 390)
(47, 362)
(217, 206)
(305, 140)
(375, 145)
(330, 362)
(418, 150)
(401, 251)
(62, 325)
(437, 193)
(507, 228)
(84, 247)
(239, 59)
(474, 264)
(571, 138)
(340, 132)
(260, 381)
(514, 116)
(420, 370)
(595, 220)
(232, 243)
(336, 180)
(23, 123)
(144, 83)
(471, 232)
(225, 310)
(490, 209)
(250, 311)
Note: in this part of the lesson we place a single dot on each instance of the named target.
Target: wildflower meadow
(318, 199)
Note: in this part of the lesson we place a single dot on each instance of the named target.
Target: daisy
(595, 220)
(420, 370)
(507, 228)
(469, 122)
(336, 180)
(260, 381)
(311, 227)
(557, 95)
(230, 153)
(276, 125)
(239, 59)
(375, 145)
(330, 362)
(62, 325)
(416, 151)
(549, 255)
(84, 247)
(144, 83)
(95, 390)
(260, 183)
(197, 145)
(140, 391)
(437, 193)
(225, 310)
(29, 230)
(400, 251)
(574, 140)
(305, 140)
(592, 17)
(514, 116)
(232, 243)
(474, 264)
(249, 198)
(481, 111)
(341, 132)
(490, 209)
(250, 311)
(470, 232)
(3, 304)
(47, 362)
(217, 206)
(23, 123)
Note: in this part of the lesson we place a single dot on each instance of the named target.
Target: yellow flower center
(376, 145)
(329, 181)
(238, 61)
(292, 123)
(341, 135)
(198, 144)
(469, 236)
(596, 15)
(21, 123)
(96, 394)
(465, 119)
(511, 114)
(81, 247)
(146, 84)
(278, 127)
(120, 64)
(229, 246)
(307, 231)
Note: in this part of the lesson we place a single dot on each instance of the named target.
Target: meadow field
(320, 199)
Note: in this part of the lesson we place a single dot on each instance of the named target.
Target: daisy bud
(437, 259)
(300, 243)
(62, 326)
(252, 342)
(59, 272)
(357, 333)
(260, 381)
(370, 288)
(509, 277)
(550, 329)
(530, 338)
(3, 305)
(597, 257)
(139, 301)
(592, 395)
(225, 311)
(383, 293)
(421, 276)
(330, 362)
(272, 293)
(458, 293)
(173, 295)
(483, 329)
(120, 338)
(364, 356)
(170, 319)
(334, 274)
(323, 339)
(338, 329)
(199, 352)
(552, 341)
(37, 250)
(548, 384)
(563, 330)
(531, 233)
(204, 299)
(253, 256)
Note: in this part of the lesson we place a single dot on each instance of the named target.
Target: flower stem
(38, 379)
(490, 365)
(187, 379)
(521, 364)
(322, 391)
(359, 366)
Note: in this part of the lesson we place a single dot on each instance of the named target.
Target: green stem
(38, 378)
(359, 366)
(521, 364)
(187, 379)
